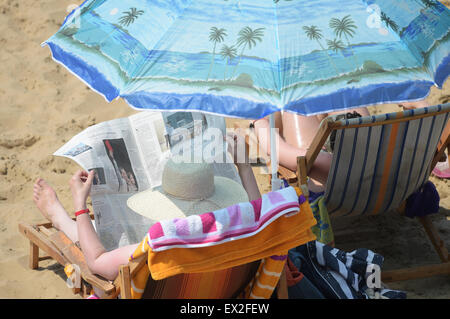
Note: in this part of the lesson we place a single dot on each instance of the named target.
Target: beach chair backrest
(379, 161)
(222, 284)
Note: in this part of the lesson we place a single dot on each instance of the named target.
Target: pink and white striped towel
(231, 223)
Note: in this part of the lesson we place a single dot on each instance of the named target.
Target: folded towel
(231, 223)
(272, 236)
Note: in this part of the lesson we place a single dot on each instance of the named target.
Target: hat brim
(157, 205)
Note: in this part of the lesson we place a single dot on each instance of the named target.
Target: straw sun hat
(187, 189)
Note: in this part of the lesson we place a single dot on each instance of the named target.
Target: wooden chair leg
(125, 282)
(448, 155)
(282, 289)
(436, 240)
(302, 174)
(34, 256)
(415, 273)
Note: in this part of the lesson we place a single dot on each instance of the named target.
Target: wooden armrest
(126, 273)
(326, 126)
(444, 143)
(75, 256)
(286, 173)
(39, 239)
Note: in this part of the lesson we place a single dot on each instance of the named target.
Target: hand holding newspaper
(128, 155)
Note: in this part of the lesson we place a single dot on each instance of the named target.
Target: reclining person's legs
(288, 153)
(299, 130)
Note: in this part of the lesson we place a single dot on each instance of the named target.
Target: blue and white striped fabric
(376, 168)
(338, 274)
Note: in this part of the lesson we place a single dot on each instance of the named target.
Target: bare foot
(414, 105)
(48, 203)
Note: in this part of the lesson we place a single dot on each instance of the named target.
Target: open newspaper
(128, 156)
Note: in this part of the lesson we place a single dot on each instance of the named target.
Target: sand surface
(42, 106)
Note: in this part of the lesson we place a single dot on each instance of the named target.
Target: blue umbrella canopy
(252, 58)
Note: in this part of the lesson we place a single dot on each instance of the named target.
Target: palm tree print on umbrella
(314, 33)
(125, 20)
(216, 36)
(130, 16)
(429, 3)
(345, 27)
(247, 38)
(336, 45)
(228, 53)
(389, 22)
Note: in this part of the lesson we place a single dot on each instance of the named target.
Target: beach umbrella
(250, 59)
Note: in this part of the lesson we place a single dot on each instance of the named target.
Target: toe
(36, 188)
(44, 184)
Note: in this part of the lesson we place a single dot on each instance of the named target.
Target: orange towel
(277, 238)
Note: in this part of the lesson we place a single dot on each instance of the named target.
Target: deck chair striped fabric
(231, 281)
(379, 161)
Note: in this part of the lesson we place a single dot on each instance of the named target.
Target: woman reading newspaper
(106, 263)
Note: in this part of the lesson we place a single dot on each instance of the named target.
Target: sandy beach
(43, 106)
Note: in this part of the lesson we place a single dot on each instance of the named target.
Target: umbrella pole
(276, 183)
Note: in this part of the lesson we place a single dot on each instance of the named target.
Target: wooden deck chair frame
(59, 247)
(305, 163)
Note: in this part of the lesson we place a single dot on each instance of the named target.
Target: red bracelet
(80, 212)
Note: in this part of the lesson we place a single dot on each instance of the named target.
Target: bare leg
(106, 263)
(49, 205)
(288, 156)
(299, 130)
(279, 123)
(361, 110)
(414, 105)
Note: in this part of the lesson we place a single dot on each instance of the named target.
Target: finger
(77, 175)
(90, 178)
(231, 137)
(231, 134)
(230, 143)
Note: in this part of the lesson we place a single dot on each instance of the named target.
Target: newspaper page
(128, 156)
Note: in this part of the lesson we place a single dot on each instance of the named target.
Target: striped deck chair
(378, 162)
(256, 273)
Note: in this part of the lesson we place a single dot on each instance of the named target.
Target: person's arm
(99, 261)
(249, 181)
(237, 143)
